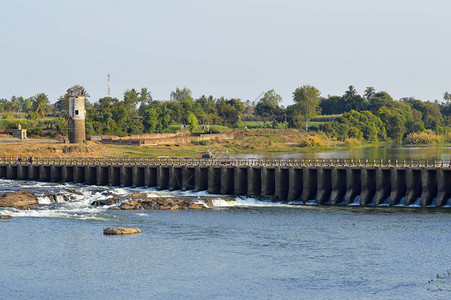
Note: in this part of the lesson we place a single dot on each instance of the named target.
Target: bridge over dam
(331, 181)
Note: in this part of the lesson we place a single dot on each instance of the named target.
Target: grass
(256, 141)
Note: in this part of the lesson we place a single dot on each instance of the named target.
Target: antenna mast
(109, 85)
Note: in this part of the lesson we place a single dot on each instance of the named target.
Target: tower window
(76, 111)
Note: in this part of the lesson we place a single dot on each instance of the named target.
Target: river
(243, 248)
(400, 153)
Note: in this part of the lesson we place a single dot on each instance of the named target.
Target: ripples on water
(243, 248)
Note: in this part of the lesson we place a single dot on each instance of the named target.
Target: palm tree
(369, 93)
(40, 104)
(447, 97)
(351, 92)
(144, 96)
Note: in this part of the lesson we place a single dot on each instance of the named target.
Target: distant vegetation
(350, 118)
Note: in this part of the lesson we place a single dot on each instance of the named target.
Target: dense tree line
(373, 116)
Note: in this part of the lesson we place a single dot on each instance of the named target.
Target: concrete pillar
(55, 173)
(10, 172)
(75, 173)
(147, 176)
(188, 178)
(3, 170)
(227, 180)
(99, 175)
(267, 180)
(368, 185)
(150, 176)
(353, 184)
(338, 185)
(110, 175)
(31, 174)
(42, 174)
(240, 183)
(443, 187)
(134, 176)
(429, 186)
(254, 181)
(64, 175)
(214, 180)
(175, 178)
(383, 185)
(413, 185)
(89, 177)
(295, 182)
(162, 177)
(21, 172)
(281, 184)
(324, 186)
(398, 185)
(125, 176)
(201, 180)
(309, 183)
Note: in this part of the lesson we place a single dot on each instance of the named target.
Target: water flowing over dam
(333, 182)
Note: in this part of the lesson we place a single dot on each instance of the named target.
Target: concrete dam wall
(333, 184)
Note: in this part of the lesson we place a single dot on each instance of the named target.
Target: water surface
(243, 248)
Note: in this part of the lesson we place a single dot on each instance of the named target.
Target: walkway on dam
(326, 181)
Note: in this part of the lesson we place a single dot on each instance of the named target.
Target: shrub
(351, 142)
(423, 138)
(312, 141)
(202, 142)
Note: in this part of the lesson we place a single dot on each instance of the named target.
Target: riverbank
(257, 142)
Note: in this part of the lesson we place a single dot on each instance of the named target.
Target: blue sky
(225, 48)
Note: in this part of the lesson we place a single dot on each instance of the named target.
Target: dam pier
(331, 182)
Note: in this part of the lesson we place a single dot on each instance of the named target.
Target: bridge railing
(230, 162)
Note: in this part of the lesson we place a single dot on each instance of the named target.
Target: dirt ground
(10, 147)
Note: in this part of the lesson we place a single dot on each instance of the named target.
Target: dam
(324, 181)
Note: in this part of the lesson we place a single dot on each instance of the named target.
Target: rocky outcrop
(5, 217)
(21, 199)
(160, 204)
(54, 198)
(119, 199)
(109, 201)
(120, 230)
(142, 201)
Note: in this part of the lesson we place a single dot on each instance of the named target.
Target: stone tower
(77, 132)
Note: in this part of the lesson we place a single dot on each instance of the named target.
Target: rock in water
(21, 199)
(5, 217)
(164, 203)
(120, 230)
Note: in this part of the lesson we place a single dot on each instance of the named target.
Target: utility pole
(109, 86)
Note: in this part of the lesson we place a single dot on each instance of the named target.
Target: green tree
(40, 104)
(307, 100)
(150, 120)
(230, 111)
(369, 93)
(332, 105)
(360, 125)
(145, 97)
(351, 92)
(447, 97)
(77, 90)
(268, 105)
(180, 95)
(192, 121)
(353, 101)
(394, 123)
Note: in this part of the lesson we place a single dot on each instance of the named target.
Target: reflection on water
(431, 152)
